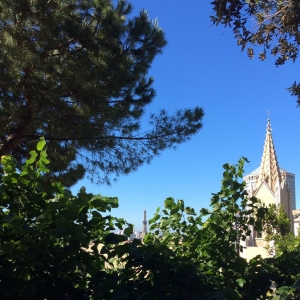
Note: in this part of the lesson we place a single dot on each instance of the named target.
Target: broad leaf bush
(54, 245)
(45, 234)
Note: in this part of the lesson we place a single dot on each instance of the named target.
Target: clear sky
(203, 66)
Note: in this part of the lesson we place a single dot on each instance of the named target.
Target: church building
(272, 185)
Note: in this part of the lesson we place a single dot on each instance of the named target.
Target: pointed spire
(145, 223)
(269, 169)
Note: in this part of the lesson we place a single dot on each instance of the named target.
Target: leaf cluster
(271, 26)
(277, 227)
(53, 245)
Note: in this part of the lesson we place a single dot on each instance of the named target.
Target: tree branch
(65, 139)
(16, 135)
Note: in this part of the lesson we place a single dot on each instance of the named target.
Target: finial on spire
(268, 114)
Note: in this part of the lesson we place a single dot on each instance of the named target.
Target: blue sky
(203, 66)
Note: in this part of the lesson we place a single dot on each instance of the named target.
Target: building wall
(265, 195)
(285, 201)
(290, 179)
(250, 252)
(296, 228)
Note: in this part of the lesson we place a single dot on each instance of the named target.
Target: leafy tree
(270, 25)
(277, 227)
(282, 272)
(277, 220)
(44, 236)
(212, 245)
(286, 243)
(75, 72)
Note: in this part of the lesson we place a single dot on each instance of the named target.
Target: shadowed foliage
(264, 26)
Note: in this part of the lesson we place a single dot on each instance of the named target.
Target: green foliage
(272, 26)
(54, 245)
(282, 271)
(277, 228)
(277, 220)
(286, 243)
(212, 245)
(75, 72)
(45, 234)
(153, 271)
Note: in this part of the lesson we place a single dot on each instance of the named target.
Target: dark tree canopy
(271, 26)
(75, 72)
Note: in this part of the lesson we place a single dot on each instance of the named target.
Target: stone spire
(145, 223)
(269, 169)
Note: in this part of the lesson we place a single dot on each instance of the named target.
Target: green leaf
(119, 225)
(226, 166)
(189, 211)
(216, 207)
(113, 238)
(32, 159)
(170, 203)
(283, 290)
(205, 211)
(41, 144)
(261, 212)
(174, 211)
(96, 214)
(180, 205)
(99, 204)
(128, 230)
(43, 157)
(114, 202)
(164, 224)
(240, 282)
(176, 216)
(41, 167)
(154, 219)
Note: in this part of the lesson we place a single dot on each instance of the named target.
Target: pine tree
(75, 72)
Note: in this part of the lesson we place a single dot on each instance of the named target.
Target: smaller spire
(145, 222)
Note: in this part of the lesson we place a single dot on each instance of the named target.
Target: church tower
(272, 185)
(145, 223)
(269, 182)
